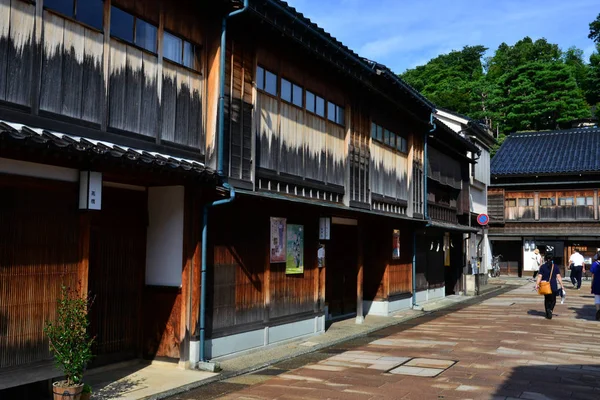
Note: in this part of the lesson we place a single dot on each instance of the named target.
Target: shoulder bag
(545, 287)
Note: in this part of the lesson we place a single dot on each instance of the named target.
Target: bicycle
(495, 270)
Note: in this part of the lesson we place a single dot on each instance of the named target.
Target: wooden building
(478, 257)
(102, 175)
(326, 150)
(544, 194)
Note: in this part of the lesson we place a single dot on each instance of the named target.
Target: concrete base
(209, 366)
(242, 342)
(386, 308)
(474, 282)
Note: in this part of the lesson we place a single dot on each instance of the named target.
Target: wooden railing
(442, 213)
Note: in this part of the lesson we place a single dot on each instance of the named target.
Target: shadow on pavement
(536, 313)
(552, 382)
(587, 312)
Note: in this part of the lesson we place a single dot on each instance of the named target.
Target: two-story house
(544, 195)
(478, 246)
(127, 125)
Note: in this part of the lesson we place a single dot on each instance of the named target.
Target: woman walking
(595, 270)
(537, 262)
(549, 273)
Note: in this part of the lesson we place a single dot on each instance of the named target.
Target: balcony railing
(442, 213)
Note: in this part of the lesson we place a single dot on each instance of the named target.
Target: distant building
(544, 194)
(478, 249)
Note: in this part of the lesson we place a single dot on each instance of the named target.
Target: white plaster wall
(478, 200)
(164, 248)
(35, 170)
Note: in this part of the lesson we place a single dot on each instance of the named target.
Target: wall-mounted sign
(396, 244)
(294, 263)
(321, 255)
(90, 190)
(324, 228)
(278, 240)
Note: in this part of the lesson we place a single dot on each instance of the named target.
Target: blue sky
(405, 33)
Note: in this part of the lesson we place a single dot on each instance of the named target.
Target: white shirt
(576, 259)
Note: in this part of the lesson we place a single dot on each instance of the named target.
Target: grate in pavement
(423, 367)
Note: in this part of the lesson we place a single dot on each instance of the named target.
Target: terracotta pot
(61, 392)
(86, 396)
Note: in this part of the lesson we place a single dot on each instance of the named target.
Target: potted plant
(86, 394)
(70, 343)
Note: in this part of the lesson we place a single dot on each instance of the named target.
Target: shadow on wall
(552, 382)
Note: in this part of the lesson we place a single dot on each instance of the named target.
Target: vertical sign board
(278, 240)
(294, 263)
(324, 228)
(396, 244)
(90, 190)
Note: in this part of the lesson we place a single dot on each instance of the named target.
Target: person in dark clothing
(550, 273)
(595, 270)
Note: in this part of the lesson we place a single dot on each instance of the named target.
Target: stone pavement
(501, 348)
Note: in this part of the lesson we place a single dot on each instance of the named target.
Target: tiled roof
(571, 151)
(63, 140)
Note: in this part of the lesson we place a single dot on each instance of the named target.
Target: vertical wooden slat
(118, 84)
(84, 259)
(133, 90)
(4, 45)
(72, 69)
(20, 54)
(182, 112)
(93, 77)
(149, 97)
(106, 68)
(51, 89)
(359, 276)
(37, 58)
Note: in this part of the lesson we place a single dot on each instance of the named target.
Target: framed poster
(294, 263)
(396, 244)
(278, 240)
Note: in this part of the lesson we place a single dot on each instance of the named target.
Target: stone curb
(232, 374)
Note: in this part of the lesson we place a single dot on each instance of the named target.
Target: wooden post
(183, 336)
(84, 246)
(359, 279)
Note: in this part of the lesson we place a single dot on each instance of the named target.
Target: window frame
(196, 50)
(552, 201)
(293, 87)
(390, 140)
(73, 15)
(263, 89)
(337, 110)
(134, 33)
(508, 202)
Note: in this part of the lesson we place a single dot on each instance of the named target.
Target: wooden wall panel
(73, 45)
(93, 80)
(336, 153)
(292, 140)
(268, 132)
(20, 53)
(181, 106)
(149, 97)
(316, 147)
(4, 44)
(39, 252)
(52, 61)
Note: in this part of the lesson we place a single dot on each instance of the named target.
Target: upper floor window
(547, 202)
(266, 81)
(335, 113)
(585, 201)
(315, 104)
(90, 12)
(179, 50)
(291, 92)
(565, 201)
(526, 203)
(389, 138)
(511, 202)
(132, 29)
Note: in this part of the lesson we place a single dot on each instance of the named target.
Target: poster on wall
(278, 240)
(396, 244)
(294, 263)
(446, 249)
(321, 255)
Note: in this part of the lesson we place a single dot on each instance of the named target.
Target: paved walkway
(501, 348)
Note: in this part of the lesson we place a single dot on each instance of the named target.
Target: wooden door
(116, 276)
(341, 269)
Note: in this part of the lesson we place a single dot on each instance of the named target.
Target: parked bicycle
(495, 270)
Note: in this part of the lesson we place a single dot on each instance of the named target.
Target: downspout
(220, 173)
(425, 212)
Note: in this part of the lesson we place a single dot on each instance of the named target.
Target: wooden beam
(84, 248)
(359, 277)
(183, 336)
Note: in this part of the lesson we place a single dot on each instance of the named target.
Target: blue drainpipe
(425, 212)
(220, 172)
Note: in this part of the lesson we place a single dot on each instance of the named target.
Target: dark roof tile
(571, 151)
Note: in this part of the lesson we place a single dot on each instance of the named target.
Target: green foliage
(595, 30)
(499, 140)
(68, 336)
(86, 388)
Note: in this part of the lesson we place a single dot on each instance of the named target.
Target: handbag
(545, 287)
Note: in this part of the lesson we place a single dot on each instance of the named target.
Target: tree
(507, 58)
(540, 95)
(595, 30)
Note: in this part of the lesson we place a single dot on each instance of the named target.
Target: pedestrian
(595, 270)
(577, 267)
(549, 273)
(537, 262)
